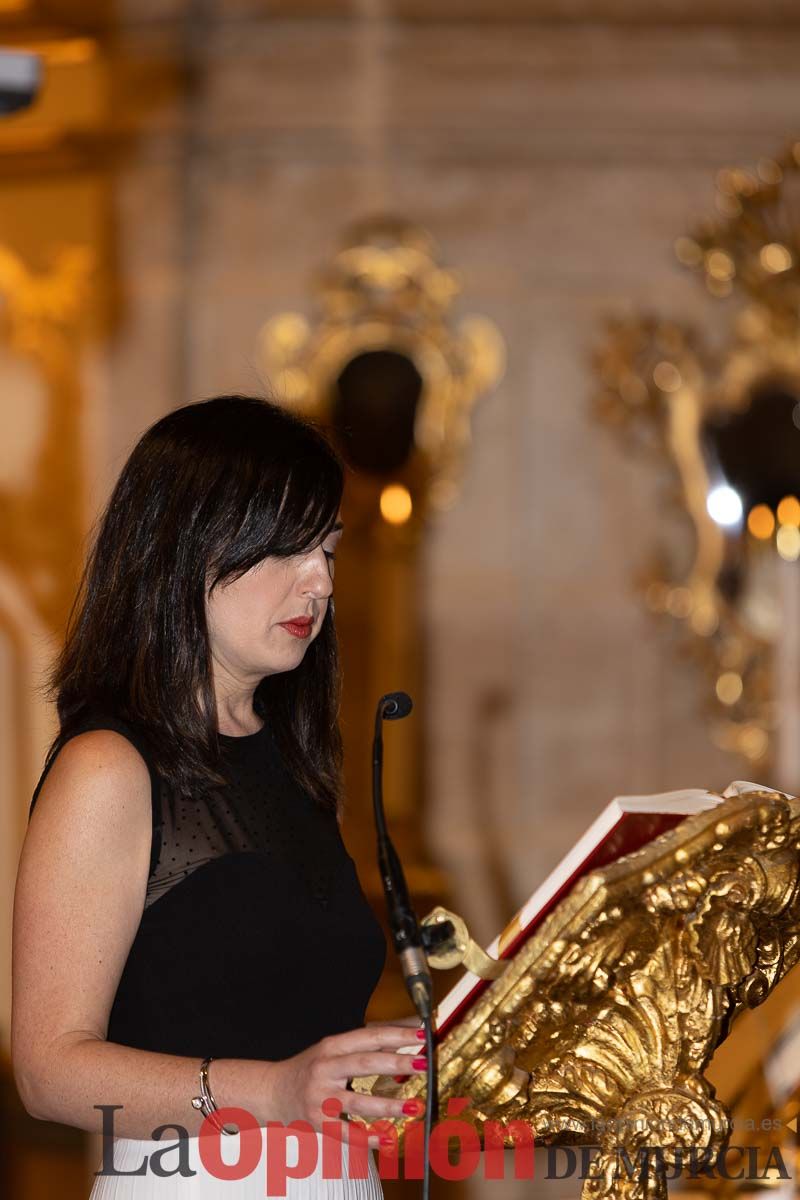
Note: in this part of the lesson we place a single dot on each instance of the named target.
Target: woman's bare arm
(79, 899)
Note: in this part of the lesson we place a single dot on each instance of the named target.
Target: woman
(189, 930)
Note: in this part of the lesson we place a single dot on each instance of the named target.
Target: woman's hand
(302, 1083)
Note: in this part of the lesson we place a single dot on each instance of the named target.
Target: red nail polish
(421, 1034)
(412, 1107)
(419, 1063)
(401, 1078)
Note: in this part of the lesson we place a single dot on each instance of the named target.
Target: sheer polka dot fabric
(262, 809)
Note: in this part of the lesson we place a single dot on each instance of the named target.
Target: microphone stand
(403, 924)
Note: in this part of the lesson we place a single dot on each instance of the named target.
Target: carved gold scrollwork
(600, 1029)
(385, 291)
(459, 949)
(672, 392)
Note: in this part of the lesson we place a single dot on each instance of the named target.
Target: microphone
(403, 922)
(396, 705)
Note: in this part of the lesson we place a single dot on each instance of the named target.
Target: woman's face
(246, 617)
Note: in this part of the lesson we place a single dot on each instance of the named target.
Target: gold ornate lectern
(599, 1030)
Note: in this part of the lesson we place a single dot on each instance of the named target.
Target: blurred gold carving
(385, 289)
(600, 1029)
(661, 381)
(41, 512)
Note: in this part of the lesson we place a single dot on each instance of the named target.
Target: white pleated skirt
(130, 1154)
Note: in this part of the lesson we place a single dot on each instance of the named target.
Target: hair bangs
(289, 513)
(309, 505)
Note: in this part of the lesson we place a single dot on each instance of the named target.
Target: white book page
(740, 786)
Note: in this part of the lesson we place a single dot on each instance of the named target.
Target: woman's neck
(236, 715)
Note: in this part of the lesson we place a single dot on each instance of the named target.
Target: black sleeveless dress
(256, 938)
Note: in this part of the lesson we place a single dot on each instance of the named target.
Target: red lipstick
(298, 626)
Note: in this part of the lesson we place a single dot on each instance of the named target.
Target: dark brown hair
(209, 491)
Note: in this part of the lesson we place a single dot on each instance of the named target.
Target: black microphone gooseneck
(403, 922)
(402, 918)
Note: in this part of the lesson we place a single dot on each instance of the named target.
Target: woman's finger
(379, 1062)
(371, 1037)
(373, 1108)
(376, 1133)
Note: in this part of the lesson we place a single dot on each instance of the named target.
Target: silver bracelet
(205, 1102)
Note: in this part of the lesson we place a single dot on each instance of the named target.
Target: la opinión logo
(456, 1152)
(455, 1148)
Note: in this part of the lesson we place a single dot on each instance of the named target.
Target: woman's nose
(317, 578)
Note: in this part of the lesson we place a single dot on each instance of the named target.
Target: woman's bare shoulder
(97, 766)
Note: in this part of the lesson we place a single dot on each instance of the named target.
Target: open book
(625, 825)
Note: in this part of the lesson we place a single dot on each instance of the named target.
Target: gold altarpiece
(54, 233)
(58, 306)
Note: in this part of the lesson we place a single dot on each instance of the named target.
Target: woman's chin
(287, 657)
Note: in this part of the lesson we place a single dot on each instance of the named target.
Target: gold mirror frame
(660, 381)
(385, 289)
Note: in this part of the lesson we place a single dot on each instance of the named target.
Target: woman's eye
(330, 554)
